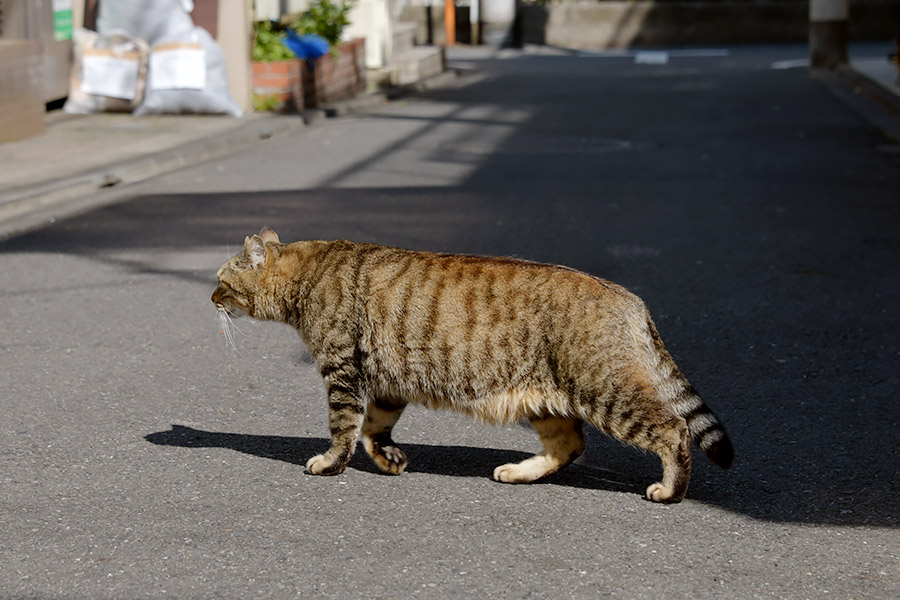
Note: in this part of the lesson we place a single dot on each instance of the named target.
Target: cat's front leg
(345, 418)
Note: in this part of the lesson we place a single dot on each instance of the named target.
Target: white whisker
(227, 328)
(231, 320)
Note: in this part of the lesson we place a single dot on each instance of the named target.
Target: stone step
(379, 79)
(403, 37)
(417, 63)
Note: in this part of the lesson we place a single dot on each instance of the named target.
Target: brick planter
(280, 80)
(296, 84)
(331, 78)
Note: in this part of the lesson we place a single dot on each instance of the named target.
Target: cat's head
(240, 279)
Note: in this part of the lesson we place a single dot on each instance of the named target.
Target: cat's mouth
(234, 313)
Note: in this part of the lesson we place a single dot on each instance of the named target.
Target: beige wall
(234, 33)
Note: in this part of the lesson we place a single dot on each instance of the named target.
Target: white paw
(660, 493)
(317, 464)
(507, 473)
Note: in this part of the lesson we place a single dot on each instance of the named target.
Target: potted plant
(341, 73)
(327, 19)
(276, 79)
(282, 82)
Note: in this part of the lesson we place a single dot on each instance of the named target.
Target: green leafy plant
(267, 46)
(266, 102)
(325, 18)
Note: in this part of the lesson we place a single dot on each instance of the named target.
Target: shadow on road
(451, 461)
(621, 472)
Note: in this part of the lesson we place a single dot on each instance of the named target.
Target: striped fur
(499, 339)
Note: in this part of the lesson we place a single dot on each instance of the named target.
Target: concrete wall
(33, 20)
(21, 89)
(234, 34)
(370, 19)
(596, 24)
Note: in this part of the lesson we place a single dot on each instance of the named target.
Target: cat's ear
(255, 251)
(269, 236)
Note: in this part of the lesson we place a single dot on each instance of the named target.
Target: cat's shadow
(455, 461)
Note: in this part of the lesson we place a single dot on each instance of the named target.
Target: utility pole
(449, 22)
(829, 31)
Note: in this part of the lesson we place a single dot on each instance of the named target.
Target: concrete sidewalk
(879, 77)
(81, 154)
(880, 71)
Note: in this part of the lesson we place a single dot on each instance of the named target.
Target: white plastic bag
(150, 20)
(108, 73)
(187, 75)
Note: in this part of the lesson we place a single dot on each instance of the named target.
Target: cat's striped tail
(705, 428)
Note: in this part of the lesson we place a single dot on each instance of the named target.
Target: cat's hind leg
(381, 415)
(641, 420)
(563, 440)
(676, 459)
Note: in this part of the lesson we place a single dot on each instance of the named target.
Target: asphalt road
(756, 214)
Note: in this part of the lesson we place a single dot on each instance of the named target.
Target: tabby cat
(499, 339)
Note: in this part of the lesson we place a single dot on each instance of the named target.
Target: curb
(872, 88)
(870, 99)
